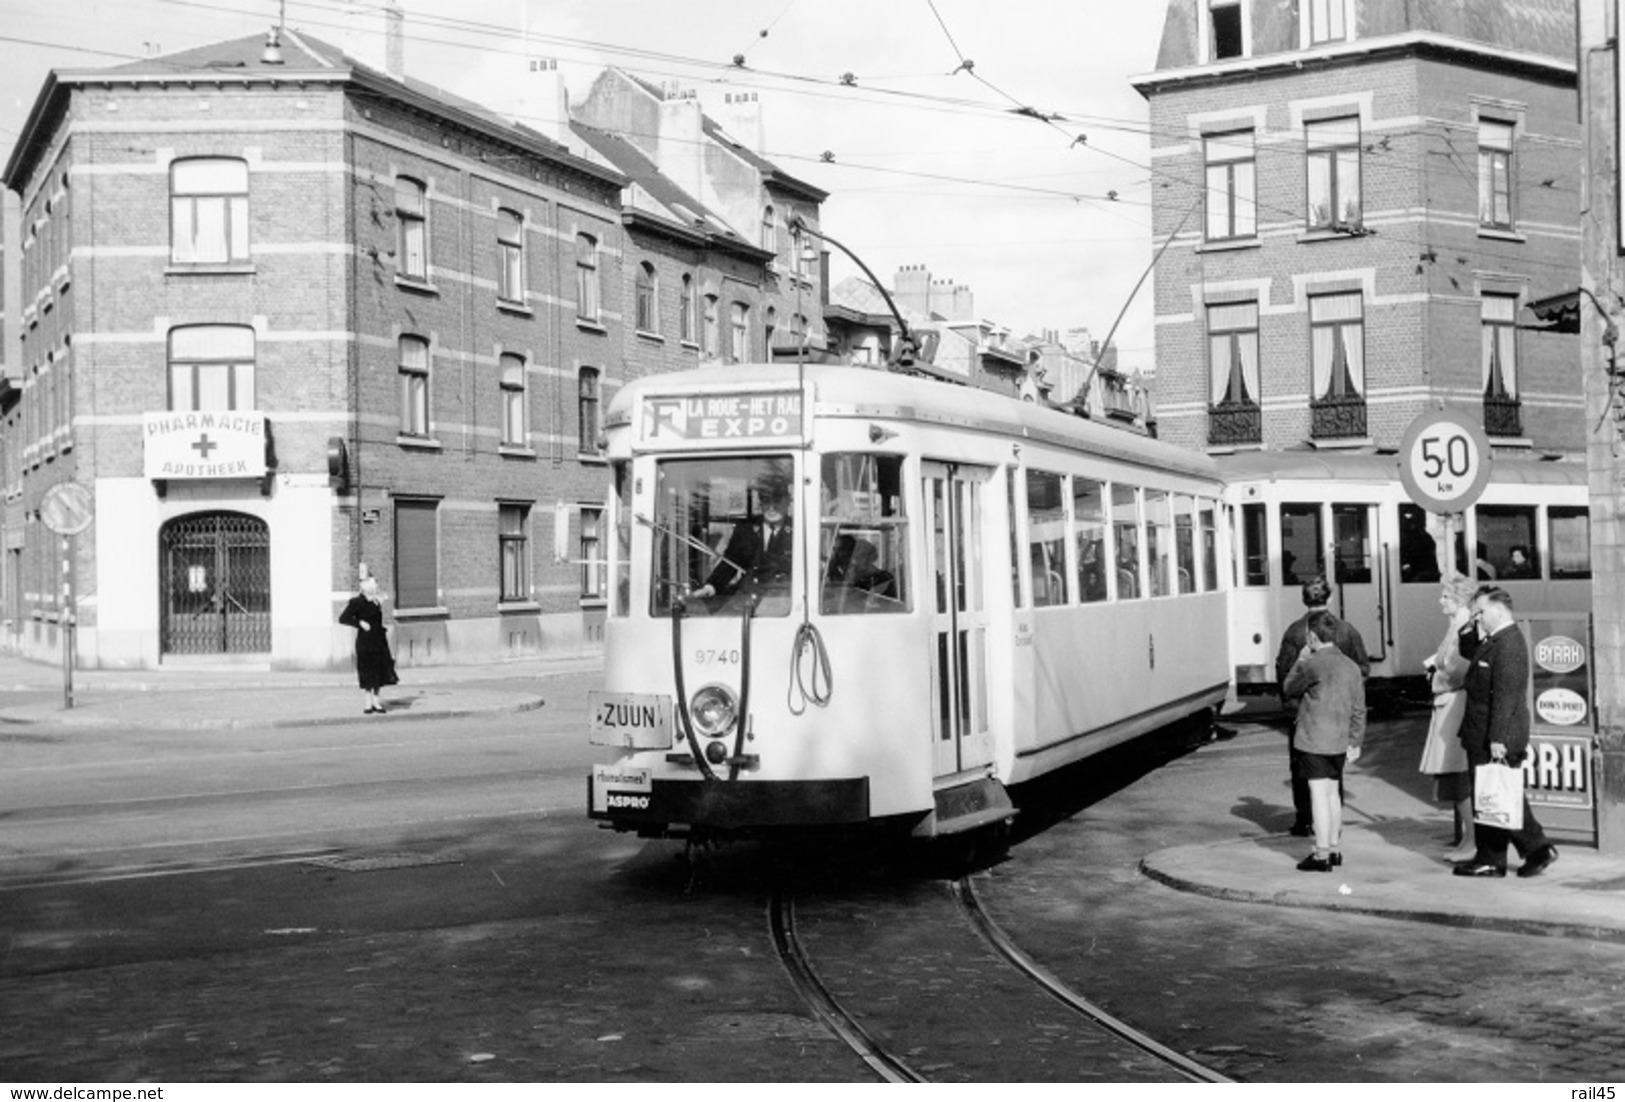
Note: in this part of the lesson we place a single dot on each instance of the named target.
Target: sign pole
(66, 622)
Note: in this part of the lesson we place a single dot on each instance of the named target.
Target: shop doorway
(215, 584)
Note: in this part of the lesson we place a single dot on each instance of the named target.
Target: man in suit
(1495, 727)
(758, 551)
(1317, 594)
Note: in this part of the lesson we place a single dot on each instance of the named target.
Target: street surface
(426, 901)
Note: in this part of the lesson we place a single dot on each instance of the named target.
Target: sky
(999, 145)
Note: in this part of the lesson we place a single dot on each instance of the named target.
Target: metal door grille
(216, 584)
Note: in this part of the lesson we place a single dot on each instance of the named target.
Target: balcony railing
(1502, 416)
(1337, 418)
(1235, 423)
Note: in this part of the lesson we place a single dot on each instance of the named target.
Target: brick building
(1364, 197)
(288, 316)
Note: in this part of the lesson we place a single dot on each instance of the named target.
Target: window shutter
(417, 555)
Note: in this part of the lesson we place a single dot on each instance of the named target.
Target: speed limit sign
(1444, 461)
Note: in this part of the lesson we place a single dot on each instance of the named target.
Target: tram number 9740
(718, 657)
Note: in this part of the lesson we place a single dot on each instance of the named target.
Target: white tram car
(1294, 515)
(978, 592)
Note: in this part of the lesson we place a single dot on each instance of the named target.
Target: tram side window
(1046, 537)
(1254, 545)
(1418, 550)
(863, 535)
(1570, 541)
(1506, 541)
(724, 531)
(1159, 542)
(1185, 542)
(1126, 537)
(621, 598)
(1089, 528)
(1210, 547)
(1013, 486)
(1351, 531)
(1302, 556)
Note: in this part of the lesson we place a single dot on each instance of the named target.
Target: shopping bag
(1498, 796)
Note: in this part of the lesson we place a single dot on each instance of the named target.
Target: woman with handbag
(1442, 754)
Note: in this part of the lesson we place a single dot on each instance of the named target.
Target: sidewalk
(201, 698)
(1393, 845)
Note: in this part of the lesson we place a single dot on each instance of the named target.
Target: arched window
(710, 347)
(211, 367)
(587, 290)
(770, 231)
(772, 320)
(510, 256)
(411, 213)
(414, 383)
(208, 203)
(515, 423)
(648, 299)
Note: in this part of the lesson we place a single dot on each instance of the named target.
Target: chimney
(741, 119)
(542, 101)
(912, 289)
(374, 33)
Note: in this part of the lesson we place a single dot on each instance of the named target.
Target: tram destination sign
(736, 417)
(1444, 461)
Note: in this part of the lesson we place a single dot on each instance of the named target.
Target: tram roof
(1308, 466)
(869, 392)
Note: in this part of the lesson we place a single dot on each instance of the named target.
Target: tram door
(954, 523)
(1359, 574)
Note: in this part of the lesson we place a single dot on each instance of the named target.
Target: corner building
(285, 316)
(1373, 205)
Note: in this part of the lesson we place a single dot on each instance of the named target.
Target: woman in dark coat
(374, 665)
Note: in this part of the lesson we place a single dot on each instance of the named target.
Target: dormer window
(1225, 30)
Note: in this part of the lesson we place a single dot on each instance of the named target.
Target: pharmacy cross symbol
(204, 446)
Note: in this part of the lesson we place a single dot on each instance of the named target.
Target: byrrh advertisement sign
(224, 443)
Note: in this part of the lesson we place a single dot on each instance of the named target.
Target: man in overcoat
(1495, 727)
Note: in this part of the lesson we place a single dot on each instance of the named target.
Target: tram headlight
(715, 710)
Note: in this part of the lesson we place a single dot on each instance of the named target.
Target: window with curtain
(1495, 174)
(411, 216)
(1332, 149)
(1233, 353)
(1231, 186)
(414, 383)
(208, 211)
(1500, 346)
(710, 346)
(511, 256)
(587, 290)
(739, 344)
(770, 232)
(647, 299)
(513, 548)
(211, 367)
(685, 310)
(587, 411)
(511, 381)
(1327, 21)
(1337, 345)
(594, 574)
(771, 317)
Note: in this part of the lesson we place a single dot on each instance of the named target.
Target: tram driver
(758, 551)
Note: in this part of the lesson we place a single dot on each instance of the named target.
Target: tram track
(844, 1021)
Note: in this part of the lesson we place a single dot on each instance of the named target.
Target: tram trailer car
(979, 592)
(1345, 516)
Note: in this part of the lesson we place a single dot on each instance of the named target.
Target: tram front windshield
(725, 532)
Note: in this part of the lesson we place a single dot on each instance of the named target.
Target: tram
(846, 597)
(1293, 515)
